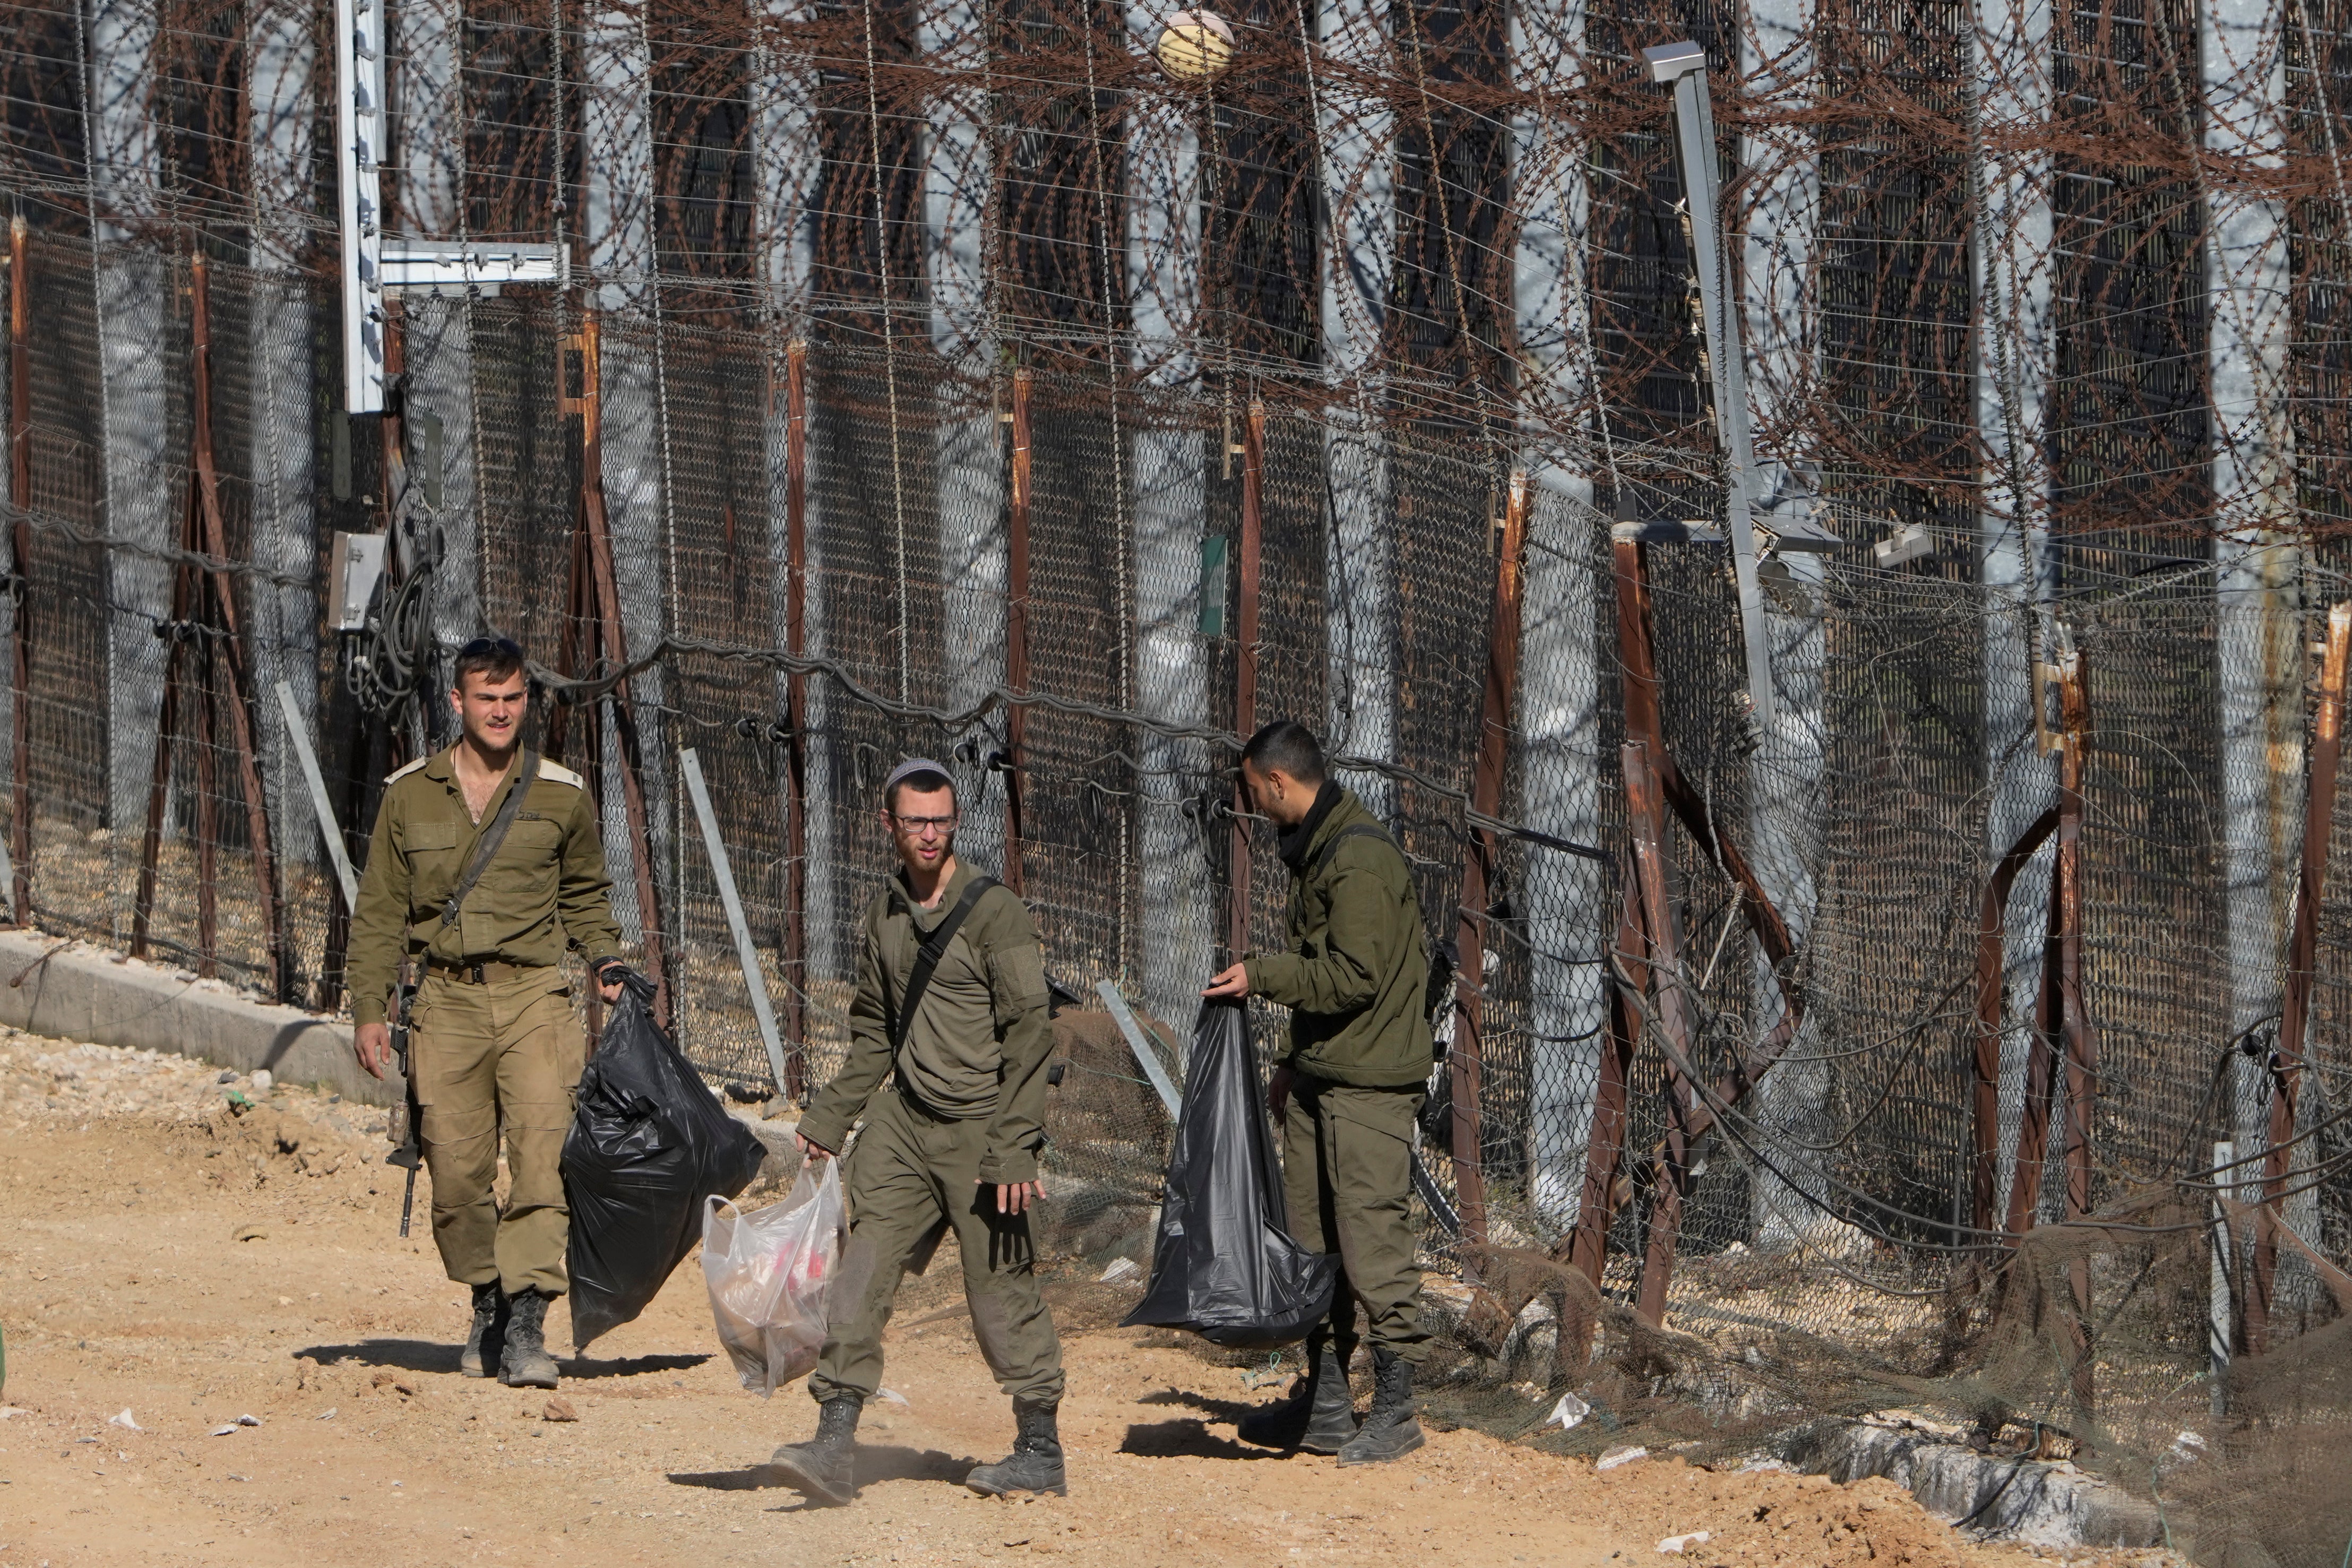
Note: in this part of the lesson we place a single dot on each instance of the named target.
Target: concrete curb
(70, 991)
(2040, 1504)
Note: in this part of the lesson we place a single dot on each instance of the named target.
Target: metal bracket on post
(360, 138)
(432, 267)
(1785, 495)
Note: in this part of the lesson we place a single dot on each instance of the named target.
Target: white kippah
(908, 769)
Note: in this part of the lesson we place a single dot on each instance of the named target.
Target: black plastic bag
(648, 1143)
(1225, 1266)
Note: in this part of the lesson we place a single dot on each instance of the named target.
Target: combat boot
(1390, 1431)
(825, 1467)
(1036, 1463)
(489, 1328)
(1318, 1416)
(526, 1363)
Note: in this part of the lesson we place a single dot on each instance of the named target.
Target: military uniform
(965, 1114)
(492, 1036)
(1354, 977)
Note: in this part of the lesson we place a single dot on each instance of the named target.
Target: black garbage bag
(1225, 1266)
(648, 1143)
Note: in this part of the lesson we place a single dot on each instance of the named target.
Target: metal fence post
(1245, 669)
(1016, 627)
(2303, 954)
(20, 534)
(1478, 855)
(747, 951)
(796, 868)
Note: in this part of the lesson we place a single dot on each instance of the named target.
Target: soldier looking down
(1346, 1092)
(493, 1040)
(952, 1000)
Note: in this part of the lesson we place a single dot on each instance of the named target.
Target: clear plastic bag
(769, 1270)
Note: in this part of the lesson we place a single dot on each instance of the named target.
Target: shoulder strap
(1332, 845)
(486, 847)
(900, 1016)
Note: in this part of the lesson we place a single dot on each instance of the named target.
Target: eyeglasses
(924, 826)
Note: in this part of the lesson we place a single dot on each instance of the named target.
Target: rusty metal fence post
(2302, 963)
(1479, 848)
(609, 652)
(1016, 627)
(1245, 670)
(795, 956)
(20, 536)
(203, 632)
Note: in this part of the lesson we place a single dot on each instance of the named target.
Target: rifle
(410, 1153)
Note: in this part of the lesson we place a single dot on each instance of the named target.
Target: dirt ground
(190, 1267)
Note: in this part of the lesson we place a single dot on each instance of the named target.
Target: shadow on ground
(875, 1463)
(405, 1355)
(1187, 1439)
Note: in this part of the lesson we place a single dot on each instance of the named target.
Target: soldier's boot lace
(1390, 1430)
(1319, 1415)
(488, 1328)
(825, 1467)
(1036, 1463)
(526, 1363)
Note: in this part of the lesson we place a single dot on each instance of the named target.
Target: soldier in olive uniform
(493, 1042)
(1347, 1091)
(951, 1147)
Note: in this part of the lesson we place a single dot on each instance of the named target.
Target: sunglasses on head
(484, 648)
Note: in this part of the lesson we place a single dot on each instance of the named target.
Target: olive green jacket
(547, 890)
(1359, 959)
(977, 1045)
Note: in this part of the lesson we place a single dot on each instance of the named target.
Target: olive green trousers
(1347, 1176)
(504, 1055)
(911, 1179)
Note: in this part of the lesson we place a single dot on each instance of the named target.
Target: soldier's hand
(1230, 985)
(812, 1150)
(373, 1045)
(610, 990)
(1277, 1090)
(1014, 1197)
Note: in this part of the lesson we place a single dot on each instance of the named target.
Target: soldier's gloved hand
(372, 1043)
(608, 980)
(1014, 1197)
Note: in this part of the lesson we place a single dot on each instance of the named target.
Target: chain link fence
(1041, 588)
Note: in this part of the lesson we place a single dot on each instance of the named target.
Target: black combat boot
(526, 1363)
(825, 1467)
(1390, 1431)
(1036, 1463)
(489, 1328)
(1318, 1416)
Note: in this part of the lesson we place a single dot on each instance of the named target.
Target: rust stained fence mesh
(963, 383)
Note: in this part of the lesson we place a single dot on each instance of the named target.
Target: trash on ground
(1676, 1542)
(1568, 1411)
(1121, 1268)
(123, 1420)
(1616, 1457)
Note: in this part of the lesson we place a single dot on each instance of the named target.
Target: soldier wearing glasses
(952, 1145)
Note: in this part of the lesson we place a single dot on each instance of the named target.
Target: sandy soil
(166, 1258)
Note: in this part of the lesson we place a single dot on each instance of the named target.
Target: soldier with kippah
(951, 1005)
